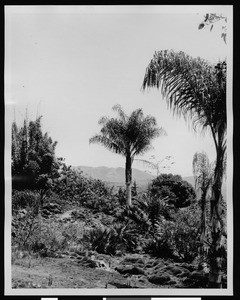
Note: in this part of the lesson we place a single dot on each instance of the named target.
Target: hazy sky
(72, 64)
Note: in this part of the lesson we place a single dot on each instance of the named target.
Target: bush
(176, 191)
(162, 244)
(136, 214)
(178, 238)
(24, 199)
(33, 233)
(186, 233)
(109, 240)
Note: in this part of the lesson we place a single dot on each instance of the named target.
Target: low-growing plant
(109, 240)
(25, 198)
(162, 243)
(178, 238)
(186, 233)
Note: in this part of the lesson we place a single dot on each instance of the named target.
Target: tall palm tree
(203, 174)
(197, 90)
(128, 136)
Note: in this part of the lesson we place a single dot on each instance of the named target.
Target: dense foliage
(164, 222)
(173, 190)
(33, 156)
(197, 90)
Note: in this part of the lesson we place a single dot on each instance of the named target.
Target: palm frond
(106, 142)
(192, 87)
(119, 110)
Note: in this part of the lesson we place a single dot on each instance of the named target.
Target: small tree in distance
(128, 136)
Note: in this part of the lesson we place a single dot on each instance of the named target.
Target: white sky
(72, 64)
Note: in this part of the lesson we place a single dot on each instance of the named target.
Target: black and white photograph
(118, 150)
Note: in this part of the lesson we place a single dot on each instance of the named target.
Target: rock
(191, 268)
(22, 213)
(160, 278)
(102, 264)
(173, 269)
(128, 269)
(183, 274)
(197, 279)
(197, 274)
(93, 263)
(120, 284)
(176, 270)
(119, 253)
(172, 282)
(159, 266)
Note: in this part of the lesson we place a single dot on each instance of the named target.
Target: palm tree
(128, 136)
(197, 90)
(203, 174)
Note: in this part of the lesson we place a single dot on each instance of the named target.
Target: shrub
(135, 214)
(109, 240)
(162, 244)
(171, 187)
(24, 226)
(178, 238)
(186, 233)
(33, 233)
(24, 199)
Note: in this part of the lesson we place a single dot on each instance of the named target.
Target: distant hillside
(115, 176)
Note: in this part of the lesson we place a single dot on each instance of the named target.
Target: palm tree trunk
(128, 175)
(203, 217)
(217, 250)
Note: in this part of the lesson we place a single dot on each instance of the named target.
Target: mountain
(115, 176)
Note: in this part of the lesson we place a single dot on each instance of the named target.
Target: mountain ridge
(116, 176)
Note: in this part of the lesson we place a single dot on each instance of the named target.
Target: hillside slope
(115, 176)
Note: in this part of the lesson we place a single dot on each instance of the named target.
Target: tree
(203, 175)
(177, 192)
(210, 19)
(197, 90)
(33, 156)
(157, 165)
(128, 136)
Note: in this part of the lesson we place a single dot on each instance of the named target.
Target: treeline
(34, 163)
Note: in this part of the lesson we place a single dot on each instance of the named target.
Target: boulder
(159, 278)
(129, 269)
(196, 279)
(190, 267)
(93, 263)
(132, 260)
(176, 270)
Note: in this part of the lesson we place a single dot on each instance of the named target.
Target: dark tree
(173, 189)
(34, 163)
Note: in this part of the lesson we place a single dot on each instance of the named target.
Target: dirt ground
(67, 273)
